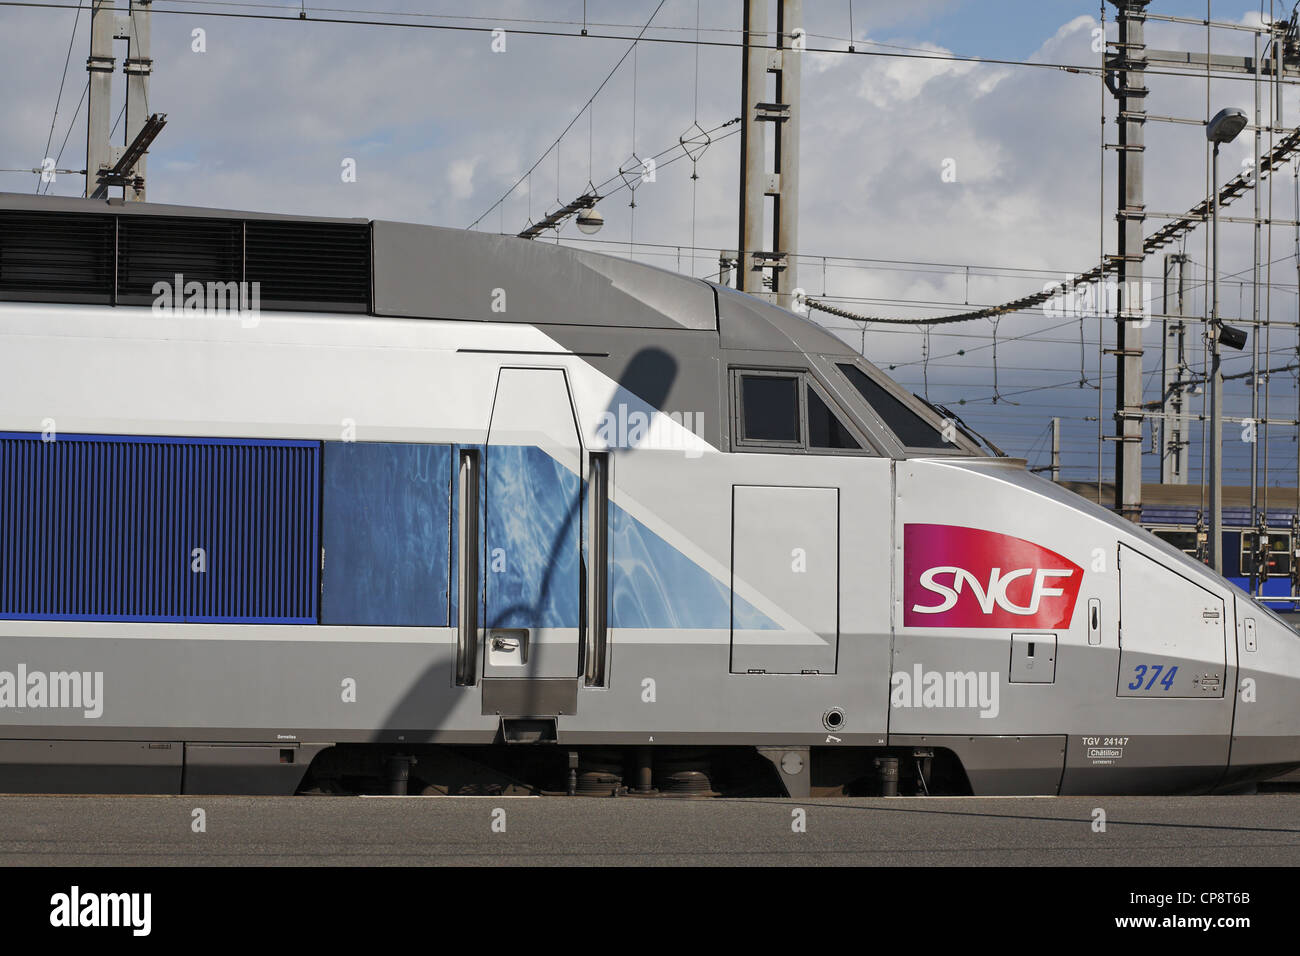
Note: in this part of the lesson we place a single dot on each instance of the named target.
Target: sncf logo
(965, 577)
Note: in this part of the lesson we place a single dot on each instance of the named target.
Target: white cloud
(460, 176)
(893, 82)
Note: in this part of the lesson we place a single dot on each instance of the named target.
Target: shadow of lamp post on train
(649, 376)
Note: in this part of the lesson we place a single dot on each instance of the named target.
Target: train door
(786, 547)
(532, 561)
(1173, 647)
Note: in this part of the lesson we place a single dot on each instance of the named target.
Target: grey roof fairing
(439, 273)
(26, 202)
(433, 272)
(751, 324)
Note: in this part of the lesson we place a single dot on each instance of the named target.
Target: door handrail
(468, 564)
(597, 637)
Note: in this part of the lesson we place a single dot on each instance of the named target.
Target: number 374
(1140, 676)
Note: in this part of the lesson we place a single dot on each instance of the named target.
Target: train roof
(107, 251)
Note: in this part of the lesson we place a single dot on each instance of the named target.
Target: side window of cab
(786, 411)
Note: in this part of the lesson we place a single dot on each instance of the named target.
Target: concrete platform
(1260, 830)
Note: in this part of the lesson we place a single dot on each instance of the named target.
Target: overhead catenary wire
(923, 266)
(1166, 234)
(67, 59)
(71, 123)
(295, 17)
(618, 181)
(632, 183)
(572, 122)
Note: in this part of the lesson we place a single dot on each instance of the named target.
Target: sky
(267, 114)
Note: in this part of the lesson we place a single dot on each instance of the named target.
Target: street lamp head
(590, 220)
(1225, 126)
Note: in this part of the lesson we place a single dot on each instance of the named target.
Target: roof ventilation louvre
(59, 257)
(155, 249)
(119, 258)
(309, 265)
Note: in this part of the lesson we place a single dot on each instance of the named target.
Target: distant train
(336, 506)
(1259, 558)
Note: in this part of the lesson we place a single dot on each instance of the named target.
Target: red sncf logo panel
(966, 577)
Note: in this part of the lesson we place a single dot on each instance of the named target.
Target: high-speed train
(334, 506)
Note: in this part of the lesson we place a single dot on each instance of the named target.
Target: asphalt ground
(1242, 831)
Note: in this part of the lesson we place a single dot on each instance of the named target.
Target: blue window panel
(1277, 587)
(531, 569)
(653, 585)
(106, 528)
(1273, 587)
(386, 531)
(1231, 553)
(1187, 514)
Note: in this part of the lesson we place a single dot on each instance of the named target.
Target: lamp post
(1225, 126)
